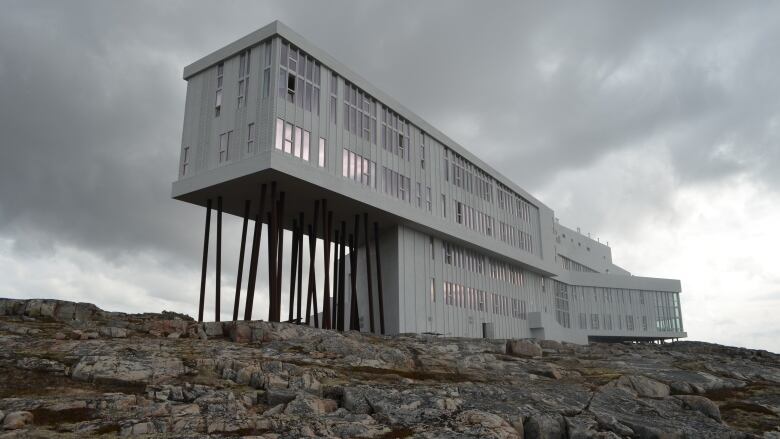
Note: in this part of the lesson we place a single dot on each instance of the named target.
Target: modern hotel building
(464, 251)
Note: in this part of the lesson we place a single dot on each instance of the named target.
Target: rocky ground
(72, 370)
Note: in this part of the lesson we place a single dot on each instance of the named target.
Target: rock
(544, 426)
(523, 348)
(213, 329)
(643, 386)
(60, 336)
(139, 429)
(279, 396)
(41, 365)
(308, 405)
(17, 420)
(174, 335)
(550, 344)
(483, 424)
(112, 332)
(701, 404)
(240, 333)
(546, 369)
(117, 369)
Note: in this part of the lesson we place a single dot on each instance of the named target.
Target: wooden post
(205, 261)
(368, 274)
(326, 227)
(354, 319)
(253, 260)
(280, 252)
(293, 268)
(341, 277)
(272, 235)
(335, 305)
(219, 260)
(379, 279)
(237, 300)
(299, 318)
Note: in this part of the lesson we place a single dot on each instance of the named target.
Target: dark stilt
(368, 274)
(237, 300)
(312, 292)
(280, 252)
(253, 260)
(293, 268)
(219, 260)
(341, 276)
(379, 280)
(299, 318)
(205, 261)
(272, 235)
(354, 319)
(335, 306)
(327, 223)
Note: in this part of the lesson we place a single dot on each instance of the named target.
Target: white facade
(461, 245)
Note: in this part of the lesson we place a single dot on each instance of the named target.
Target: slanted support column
(240, 273)
(340, 318)
(354, 317)
(205, 263)
(335, 305)
(293, 269)
(311, 298)
(272, 236)
(219, 260)
(299, 318)
(368, 274)
(327, 224)
(255, 256)
(279, 253)
(379, 280)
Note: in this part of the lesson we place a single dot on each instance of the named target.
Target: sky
(654, 126)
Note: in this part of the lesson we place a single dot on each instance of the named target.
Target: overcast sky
(652, 125)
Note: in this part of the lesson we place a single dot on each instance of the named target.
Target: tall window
(419, 194)
(395, 134)
(422, 152)
(397, 185)
(334, 90)
(428, 201)
(292, 139)
(299, 78)
(244, 60)
(459, 212)
(443, 205)
(267, 70)
(358, 168)
(359, 113)
(185, 160)
(224, 146)
(321, 159)
(433, 290)
(250, 137)
(218, 98)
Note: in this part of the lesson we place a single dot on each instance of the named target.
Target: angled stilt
(354, 319)
(368, 274)
(341, 276)
(240, 273)
(327, 223)
(219, 260)
(299, 317)
(379, 280)
(205, 261)
(334, 306)
(272, 236)
(280, 253)
(255, 256)
(293, 269)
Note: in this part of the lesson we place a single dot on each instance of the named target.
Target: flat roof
(277, 28)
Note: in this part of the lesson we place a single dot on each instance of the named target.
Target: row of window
(428, 200)
(515, 237)
(476, 300)
(473, 218)
(468, 177)
(571, 265)
(295, 140)
(608, 295)
(596, 319)
(358, 168)
(395, 134)
(668, 312)
(506, 272)
(463, 258)
(397, 185)
(299, 78)
(244, 66)
(515, 205)
(562, 305)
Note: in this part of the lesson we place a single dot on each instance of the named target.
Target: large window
(397, 185)
(358, 168)
(292, 139)
(321, 158)
(250, 138)
(299, 78)
(359, 113)
(224, 146)
(395, 134)
(218, 98)
(185, 162)
(244, 61)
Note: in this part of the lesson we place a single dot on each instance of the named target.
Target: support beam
(240, 273)
(341, 277)
(354, 319)
(280, 253)
(272, 236)
(293, 269)
(219, 260)
(205, 263)
(335, 305)
(368, 274)
(311, 298)
(299, 318)
(254, 258)
(379, 279)
(327, 224)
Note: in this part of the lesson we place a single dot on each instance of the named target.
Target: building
(462, 250)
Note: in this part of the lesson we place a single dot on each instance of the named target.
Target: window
(583, 321)
(299, 78)
(288, 138)
(447, 252)
(321, 159)
(397, 185)
(334, 89)
(395, 134)
(224, 146)
(428, 202)
(218, 97)
(279, 133)
(594, 321)
(459, 212)
(358, 168)
(244, 60)
(430, 238)
(422, 152)
(305, 146)
(250, 137)
(359, 113)
(185, 160)
(433, 290)
(419, 194)
(298, 138)
(267, 71)
(443, 205)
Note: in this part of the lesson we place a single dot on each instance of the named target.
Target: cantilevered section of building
(421, 235)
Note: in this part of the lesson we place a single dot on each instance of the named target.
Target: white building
(461, 245)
